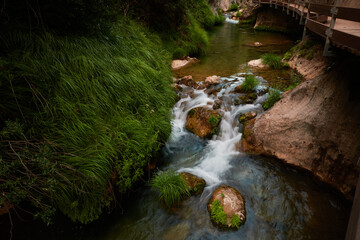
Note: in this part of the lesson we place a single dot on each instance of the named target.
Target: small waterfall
(221, 149)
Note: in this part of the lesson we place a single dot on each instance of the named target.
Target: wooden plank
(320, 9)
(316, 27)
(352, 14)
(345, 39)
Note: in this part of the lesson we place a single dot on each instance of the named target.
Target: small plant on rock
(249, 84)
(172, 186)
(217, 213)
(233, 7)
(236, 221)
(214, 120)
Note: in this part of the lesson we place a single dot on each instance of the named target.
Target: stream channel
(281, 202)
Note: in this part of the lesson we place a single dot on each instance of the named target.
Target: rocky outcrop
(203, 121)
(224, 5)
(194, 183)
(316, 127)
(233, 207)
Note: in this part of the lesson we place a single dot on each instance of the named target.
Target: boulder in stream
(194, 183)
(227, 208)
(203, 121)
(180, 63)
(212, 80)
(248, 98)
(257, 63)
(247, 116)
(187, 81)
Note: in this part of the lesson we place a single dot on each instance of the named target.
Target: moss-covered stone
(194, 183)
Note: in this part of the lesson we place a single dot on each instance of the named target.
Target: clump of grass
(214, 120)
(295, 80)
(249, 83)
(233, 7)
(217, 213)
(238, 14)
(172, 186)
(273, 60)
(274, 96)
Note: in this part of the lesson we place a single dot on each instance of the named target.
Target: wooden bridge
(338, 25)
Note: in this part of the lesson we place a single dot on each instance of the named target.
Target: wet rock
(217, 104)
(248, 98)
(180, 63)
(212, 80)
(194, 183)
(247, 116)
(257, 63)
(177, 87)
(233, 206)
(239, 89)
(203, 121)
(178, 232)
(187, 81)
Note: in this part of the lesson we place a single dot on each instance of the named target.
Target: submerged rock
(233, 212)
(203, 121)
(247, 116)
(178, 232)
(248, 98)
(180, 63)
(194, 183)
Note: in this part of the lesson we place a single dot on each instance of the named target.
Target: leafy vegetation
(249, 83)
(76, 111)
(274, 61)
(295, 80)
(214, 120)
(233, 7)
(236, 221)
(273, 97)
(217, 213)
(172, 186)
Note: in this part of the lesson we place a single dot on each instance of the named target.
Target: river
(281, 202)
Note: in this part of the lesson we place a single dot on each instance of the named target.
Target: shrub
(172, 186)
(233, 7)
(219, 20)
(274, 96)
(217, 213)
(238, 14)
(249, 83)
(214, 120)
(274, 61)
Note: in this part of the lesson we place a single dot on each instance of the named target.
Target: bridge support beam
(329, 32)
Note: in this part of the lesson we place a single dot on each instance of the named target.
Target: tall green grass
(273, 60)
(249, 83)
(100, 106)
(172, 187)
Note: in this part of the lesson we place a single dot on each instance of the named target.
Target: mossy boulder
(241, 89)
(194, 183)
(248, 98)
(247, 116)
(203, 121)
(227, 208)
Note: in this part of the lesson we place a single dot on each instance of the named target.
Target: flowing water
(281, 202)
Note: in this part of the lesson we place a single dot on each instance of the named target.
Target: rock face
(195, 184)
(232, 203)
(203, 121)
(224, 5)
(315, 126)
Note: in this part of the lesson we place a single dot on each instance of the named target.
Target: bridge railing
(315, 15)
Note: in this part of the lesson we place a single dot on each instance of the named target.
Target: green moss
(236, 221)
(172, 187)
(214, 120)
(191, 113)
(274, 96)
(271, 29)
(217, 213)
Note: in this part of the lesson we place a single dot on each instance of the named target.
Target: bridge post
(283, 5)
(329, 32)
(259, 2)
(276, 5)
(307, 17)
(297, 5)
(288, 12)
(293, 13)
(270, 3)
(302, 13)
